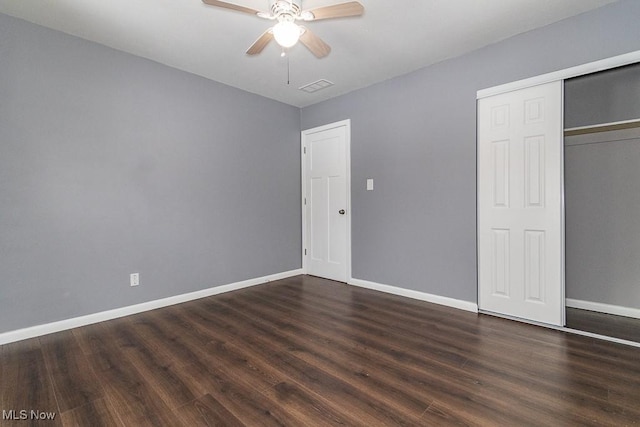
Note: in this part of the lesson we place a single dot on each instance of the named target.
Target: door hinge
(305, 150)
(305, 200)
(305, 251)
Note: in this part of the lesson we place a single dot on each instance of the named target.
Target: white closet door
(520, 208)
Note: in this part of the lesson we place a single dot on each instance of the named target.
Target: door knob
(341, 211)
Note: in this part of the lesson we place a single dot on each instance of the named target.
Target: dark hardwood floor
(625, 328)
(311, 352)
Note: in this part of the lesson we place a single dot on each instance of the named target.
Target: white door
(520, 206)
(326, 212)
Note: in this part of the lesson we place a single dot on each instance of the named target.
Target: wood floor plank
(249, 406)
(128, 332)
(626, 328)
(368, 410)
(249, 368)
(508, 356)
(96, 413)
(306, 351)
(206, 412)
(307, 406)
(507, 386)
(128, 391)
(426, 326)
(154, 363)
(246, 367)
(228, 363)
(344, 360)
(265, 350)
(429, 323)
(456, 385)
(74, 382)
(551, 378)
(584, 386)
(133, 399)
(165, 379)
(27, 385)
(219, 351)
(162, 339)
(386, 331)
(90, 338)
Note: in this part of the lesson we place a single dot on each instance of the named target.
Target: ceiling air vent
(316, 86)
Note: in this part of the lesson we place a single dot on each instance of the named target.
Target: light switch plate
(369, 184)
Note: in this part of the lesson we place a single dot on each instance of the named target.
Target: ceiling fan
(286, 32)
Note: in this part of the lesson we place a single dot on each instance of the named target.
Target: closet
(558, 190)
(602, 202)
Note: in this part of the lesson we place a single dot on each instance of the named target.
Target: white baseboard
(423, 296)
(604, 308)
(48, 328)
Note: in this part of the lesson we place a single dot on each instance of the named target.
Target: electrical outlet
(134, 279)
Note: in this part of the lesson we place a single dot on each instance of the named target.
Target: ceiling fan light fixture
(286, 33)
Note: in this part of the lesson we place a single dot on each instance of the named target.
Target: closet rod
(603, 127)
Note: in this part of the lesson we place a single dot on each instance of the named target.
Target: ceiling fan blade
(231, 6)
(262, 42)
(315, 44)
(352, 8)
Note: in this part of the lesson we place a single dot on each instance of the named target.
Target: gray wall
(605, 97)
(112, 164)
(415, 135)
(602, 199)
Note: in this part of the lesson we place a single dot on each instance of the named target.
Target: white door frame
(303, 143)
(560, 75)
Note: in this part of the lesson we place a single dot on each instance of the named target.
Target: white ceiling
(392, 37)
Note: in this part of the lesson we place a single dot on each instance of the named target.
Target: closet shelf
(602, 127)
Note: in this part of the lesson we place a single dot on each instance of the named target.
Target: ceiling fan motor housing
(285, 8)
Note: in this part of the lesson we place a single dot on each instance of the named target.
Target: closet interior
(602, 202)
